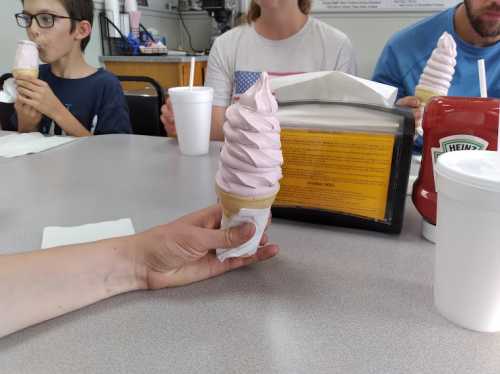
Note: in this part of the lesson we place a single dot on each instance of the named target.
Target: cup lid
(480, 169)
(186, 90)
(194, 94)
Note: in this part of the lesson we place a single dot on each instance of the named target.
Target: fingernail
(247, 229)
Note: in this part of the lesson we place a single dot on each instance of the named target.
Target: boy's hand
(28, 117)
(37, 94)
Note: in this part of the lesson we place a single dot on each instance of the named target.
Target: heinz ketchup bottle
(451, 124)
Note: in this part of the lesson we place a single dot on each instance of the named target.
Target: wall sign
(381, 5)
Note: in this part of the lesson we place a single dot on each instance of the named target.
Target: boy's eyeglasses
(44, 20)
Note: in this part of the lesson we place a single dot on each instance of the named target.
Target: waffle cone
(232, 204)
(425, 95)
(25, 73)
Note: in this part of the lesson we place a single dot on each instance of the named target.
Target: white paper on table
(55, 236)
(332, 86)
(9, 93)
(259, 217)
(22, 144)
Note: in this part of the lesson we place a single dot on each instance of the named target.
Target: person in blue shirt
(70, 97)
(475, 27)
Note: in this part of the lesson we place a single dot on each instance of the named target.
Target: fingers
(27, 93)
(167, 118)
(263, 254)
(409, 102)
(217, 268)
(228, 238)
(208, 218)
(168, 126)
(29, 84)
(208, 267)
(26, 101)
(164, 110)
(264, 240)
(18, 106)
(417, 113)
(28, 80)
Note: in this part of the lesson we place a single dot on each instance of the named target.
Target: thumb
(227, 238)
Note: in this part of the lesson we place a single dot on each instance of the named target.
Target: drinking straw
(482, 78)
(191, 74)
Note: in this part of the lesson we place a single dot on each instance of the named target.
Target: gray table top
(335, 300)
(144, 58)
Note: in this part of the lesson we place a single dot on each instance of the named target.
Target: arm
(38, 95)
(218, 117)
(41, 285)
(68, 122)
(113, 113)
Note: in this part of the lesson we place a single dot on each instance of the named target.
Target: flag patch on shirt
(243, 80)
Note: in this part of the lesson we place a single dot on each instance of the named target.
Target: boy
(70, 97)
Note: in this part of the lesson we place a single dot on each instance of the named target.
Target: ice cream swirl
(438, 73)
(251, 159)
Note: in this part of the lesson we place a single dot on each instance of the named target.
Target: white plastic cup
(467, 262)
(193, 117)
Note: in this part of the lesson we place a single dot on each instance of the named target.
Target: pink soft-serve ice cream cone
(26, 59)
(25, 65)
(250, 165)
(438, 73)
(436, 78)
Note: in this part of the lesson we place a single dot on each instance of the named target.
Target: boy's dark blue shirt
(97, 102)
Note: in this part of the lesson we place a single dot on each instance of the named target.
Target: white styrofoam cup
(467, 262)
(193, 116)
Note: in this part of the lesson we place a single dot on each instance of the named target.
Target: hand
(182, 252)
(413, 103)
(38, 95)
(28, 117)
(167, 118)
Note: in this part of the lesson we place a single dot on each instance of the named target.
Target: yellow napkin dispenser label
(341, 172)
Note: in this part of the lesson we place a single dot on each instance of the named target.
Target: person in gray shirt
(280, 38)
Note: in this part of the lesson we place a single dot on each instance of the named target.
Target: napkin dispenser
(345, 164)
